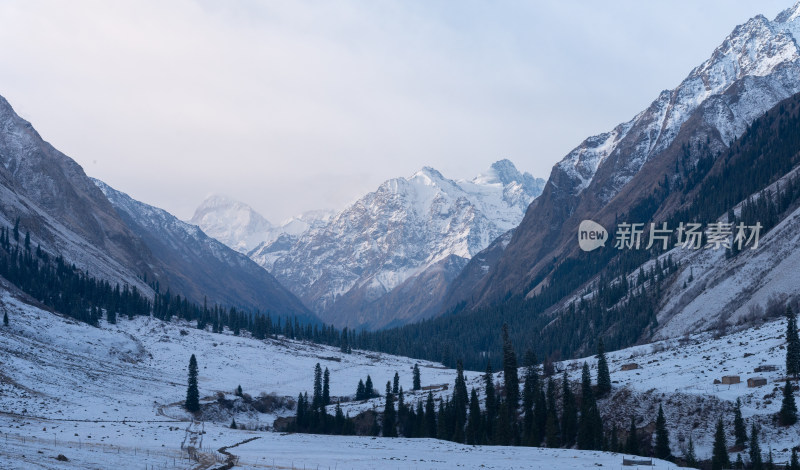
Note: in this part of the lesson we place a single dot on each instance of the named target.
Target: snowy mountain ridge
(395, 233)
(755, 49)
(405, 227)
(242, 228)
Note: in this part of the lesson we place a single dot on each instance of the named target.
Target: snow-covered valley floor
(109, 397)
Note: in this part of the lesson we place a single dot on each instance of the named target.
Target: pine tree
(361, 391)
(691, 458)
(614, 441)
(795, 462)
(755, 449)
(770, 462)
(417, 382)
(552, 437)
(396, 383)
(491, 401)
(369, 389)
(5, 318)
(239, 391)
(788, 413)
(590, 426)
(316, 399)
(475, 418)
(739, 461)
(529, 391)
(326, 388)
(460, 403)
(569, 413)
(233, 424)
(632, 444)
(192, 404)
(510, 377)
(719, 454)
(603, 376)
(389, 415)
(430, 416)
(739, 428)
(792, 344)
(662, 436)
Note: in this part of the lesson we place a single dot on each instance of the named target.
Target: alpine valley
(369, 337)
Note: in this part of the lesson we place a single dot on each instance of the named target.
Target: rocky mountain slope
(200, 267)
(65, 213)
(414, 232)
(754, 68)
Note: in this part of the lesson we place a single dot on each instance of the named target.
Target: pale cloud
(294, 105)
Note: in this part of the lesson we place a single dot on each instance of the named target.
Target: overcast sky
(299, 105)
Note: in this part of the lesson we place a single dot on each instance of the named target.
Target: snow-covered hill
(125, 407)
(123, 411)
(398, 232)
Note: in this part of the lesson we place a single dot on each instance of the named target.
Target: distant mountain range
(388, 257)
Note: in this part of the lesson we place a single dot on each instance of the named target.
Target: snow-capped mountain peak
(406, 226)
(757, 48)
(232, 222)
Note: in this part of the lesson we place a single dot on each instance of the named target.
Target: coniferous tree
(719, 454)
(233, 424)
(540, 415)
(510, 377)
(460, 404)
(770, 462)
(417, 382)
(192, 394)
(239, 391)
(552, 435)
(389, 415)
(369, 389)
(603, 375)
(590, 426)
(569, 413)
(361, 391)
(632, 443)
(316, 400)
(691, 458)
(792, 344)
(788, 412)
(326, 388)
(739, 428)
(662, 450)
(739, 461)
(756, 461)
(529, 392)
(794, 464)
(474, 420)
(614, 441)
(5, 318)
(491, 401)
(430, 416)
(396, 383)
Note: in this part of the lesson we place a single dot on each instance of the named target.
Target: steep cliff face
(61, 207)
(753, 69)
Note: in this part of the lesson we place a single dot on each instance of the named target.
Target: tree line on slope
(707, 183)
(545, 414)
